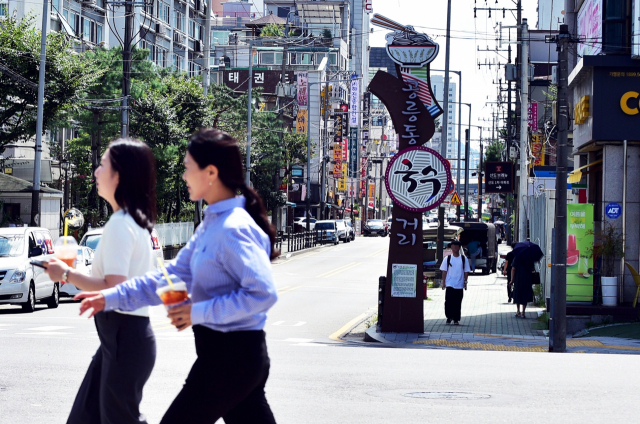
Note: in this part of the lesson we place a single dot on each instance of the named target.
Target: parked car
(374, 227)
(20, 282)
(92, 238)
(84, 263)
(350, 230)
(300, 224)
(327, 232)
(343, 231)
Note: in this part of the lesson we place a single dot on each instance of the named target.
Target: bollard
(382, 281)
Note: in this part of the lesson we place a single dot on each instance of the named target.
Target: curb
(371, 336)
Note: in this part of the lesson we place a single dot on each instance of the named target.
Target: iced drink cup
(66, 249)
(172, 295)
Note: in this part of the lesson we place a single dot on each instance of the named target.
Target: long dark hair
(136, 191)
(217, 148)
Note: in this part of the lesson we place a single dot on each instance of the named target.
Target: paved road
(315, 379)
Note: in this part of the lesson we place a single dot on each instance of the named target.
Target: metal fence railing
(304, 240)
(175, 233)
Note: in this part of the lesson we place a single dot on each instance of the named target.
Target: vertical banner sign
(416, 178)
(532, 116)
(537, 148)
(353, 153)
(372, 190)
(579, 259)
(338, 127)
(301, 121)
(363, 181)
(366, 115)
(303, 89)
(354, 107)
(343, 181)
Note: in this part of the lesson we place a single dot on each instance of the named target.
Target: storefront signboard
(579, 252)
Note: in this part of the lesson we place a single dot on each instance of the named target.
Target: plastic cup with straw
(171, 291)
(66, 247)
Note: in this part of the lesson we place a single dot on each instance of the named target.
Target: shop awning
(576, 175)
(348, 210)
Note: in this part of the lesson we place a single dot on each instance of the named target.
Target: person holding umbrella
(525, 255)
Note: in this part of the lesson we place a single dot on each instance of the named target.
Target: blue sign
(613, 210)
(475, 191)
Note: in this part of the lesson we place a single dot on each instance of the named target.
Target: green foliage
(494, 151)
(67, 76)
(609, 245)
(552, 94)
(272, 30)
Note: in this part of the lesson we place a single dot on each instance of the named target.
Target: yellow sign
(372, 190)
(342, 185)
(301, 121)
(537, 149)
(455, 199)
(624, 102)
(581, 110)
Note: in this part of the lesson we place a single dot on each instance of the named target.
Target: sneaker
(448, 321)
(456, 323)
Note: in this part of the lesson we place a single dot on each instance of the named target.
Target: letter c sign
(624, 103)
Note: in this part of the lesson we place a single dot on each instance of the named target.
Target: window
(301, 59)
(194, 69)
(271, 58)
(86, 33)
(55, 4)
(178, 62)
(614, 26)
(4, 9)
(195, 30)
(179, 22)
(163, 12)
(148, 8)
(219, 37)
(99, 30)
(283, 12)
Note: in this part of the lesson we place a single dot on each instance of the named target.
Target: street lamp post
(65, 165)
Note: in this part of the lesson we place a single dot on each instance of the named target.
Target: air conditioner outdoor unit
(178, 38)
(161, 29)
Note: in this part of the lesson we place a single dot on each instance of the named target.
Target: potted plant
(608, 245)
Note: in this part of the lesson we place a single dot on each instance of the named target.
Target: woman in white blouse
(112, 388)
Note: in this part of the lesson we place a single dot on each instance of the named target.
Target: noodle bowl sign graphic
(417, 179)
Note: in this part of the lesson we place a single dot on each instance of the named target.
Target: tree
(67, 76)
(494, 151)
(272, 30)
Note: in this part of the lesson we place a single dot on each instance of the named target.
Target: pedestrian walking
(226, 268)
(506, 270)
(112, 387)
(455, 272)
(526, 254)
(475, 250)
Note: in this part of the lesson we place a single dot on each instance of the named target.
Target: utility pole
(480, 181)
(467, 153)
(247, 179)
(509, 142)
(35, 193)
(558, 320)
(524, 134)
(445, 128)
(126, 66)
(459, 139)
(323, 168)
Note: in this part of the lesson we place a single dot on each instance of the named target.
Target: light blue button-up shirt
(226, 268)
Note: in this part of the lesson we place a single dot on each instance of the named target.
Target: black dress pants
(453, 303)
(227, 380)
(112, 388)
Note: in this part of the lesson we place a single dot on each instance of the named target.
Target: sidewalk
(489, 323)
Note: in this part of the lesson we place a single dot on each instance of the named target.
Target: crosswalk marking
(48, 328)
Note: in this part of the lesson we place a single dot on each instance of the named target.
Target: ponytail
(255, 208)
(215, 147)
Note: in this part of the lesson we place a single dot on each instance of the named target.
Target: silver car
(92, 238)
(83, 264)
(22, 283)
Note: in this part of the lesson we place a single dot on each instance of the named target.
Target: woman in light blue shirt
(226, 266)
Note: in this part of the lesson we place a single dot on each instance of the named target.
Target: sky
(467, 34)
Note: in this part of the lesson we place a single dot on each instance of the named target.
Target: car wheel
(54, 300)
(336, 241)
(30, 304)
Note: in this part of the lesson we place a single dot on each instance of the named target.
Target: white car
(92, 238)
(83, 264)
(22, 283)
(300, 224)
(328, 232)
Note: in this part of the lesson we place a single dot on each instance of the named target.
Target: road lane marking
(336, 336)
(294, 340)
(377, 252)
(305, 255)
(282, 288)
(289, 290)
(342, 270)
(336, 269)
(43, 333)
(296, 323)
(48, 328)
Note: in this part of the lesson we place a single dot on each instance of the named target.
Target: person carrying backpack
(455, 272)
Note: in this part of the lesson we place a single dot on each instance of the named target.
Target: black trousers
(227, 380)
(112, 388)
(453, 303)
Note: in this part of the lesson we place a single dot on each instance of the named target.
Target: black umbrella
(526, 253)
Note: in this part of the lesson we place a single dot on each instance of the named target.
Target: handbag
(535, 277)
